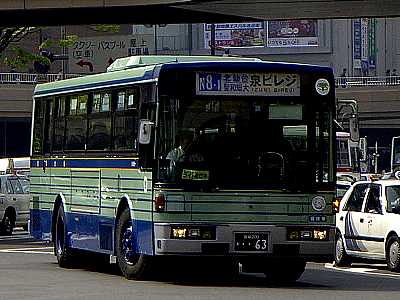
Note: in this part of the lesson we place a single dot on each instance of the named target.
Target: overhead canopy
(63, 12)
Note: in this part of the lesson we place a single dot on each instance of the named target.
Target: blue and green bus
(187, 157)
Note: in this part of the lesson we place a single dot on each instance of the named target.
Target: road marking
(364, 271)
(38, 250)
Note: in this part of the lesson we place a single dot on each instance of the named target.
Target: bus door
(85, 206)
(395, 154)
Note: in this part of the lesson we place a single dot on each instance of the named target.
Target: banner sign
(372, 43)
(235, 34)
(292, 33)
(247, 84)
(357, 43)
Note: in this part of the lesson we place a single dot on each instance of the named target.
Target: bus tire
(61, 249)
(285, 272)
(131, 264)
(341, 257)
(393, 254)
(7, 224)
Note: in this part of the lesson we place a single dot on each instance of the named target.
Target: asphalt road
(28, 270)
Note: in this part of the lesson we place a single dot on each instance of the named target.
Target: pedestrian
(364, 71)
(343, 79)
(394, 76)
(387, 74)
(59, 75)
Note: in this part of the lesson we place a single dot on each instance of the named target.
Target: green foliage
(106, 27)
(21, 59)
(68, 41)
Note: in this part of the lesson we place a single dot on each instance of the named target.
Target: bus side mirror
(145, 129)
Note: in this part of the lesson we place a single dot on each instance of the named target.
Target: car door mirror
(396, 206)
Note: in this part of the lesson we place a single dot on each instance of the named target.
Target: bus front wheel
(61, 248)
(132, 264)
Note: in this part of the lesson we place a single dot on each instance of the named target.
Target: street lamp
(155, 34)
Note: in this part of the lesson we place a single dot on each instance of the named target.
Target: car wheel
(283, 272)
(341, 257)
(61, 249)
(393, 254)
(131, 264)
(7, 225)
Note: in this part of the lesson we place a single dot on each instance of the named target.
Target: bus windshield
(240, 142)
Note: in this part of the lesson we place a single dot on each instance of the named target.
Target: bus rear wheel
(61, 249)
(131, 264)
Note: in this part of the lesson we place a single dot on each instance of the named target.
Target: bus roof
(128, 70)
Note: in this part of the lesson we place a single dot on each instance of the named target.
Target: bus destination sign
(248, 84)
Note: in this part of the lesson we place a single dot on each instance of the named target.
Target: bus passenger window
(76, 123)
(99, 137)
(125, 120)
(59, 124)
(39, 116)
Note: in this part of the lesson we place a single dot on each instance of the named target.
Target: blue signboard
(248, 84)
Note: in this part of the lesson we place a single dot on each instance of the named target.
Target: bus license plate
(251, 241)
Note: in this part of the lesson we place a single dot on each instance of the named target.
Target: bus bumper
(228, 241)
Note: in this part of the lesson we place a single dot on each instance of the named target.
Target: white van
(14, 203)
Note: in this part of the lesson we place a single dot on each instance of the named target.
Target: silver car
(14, 203)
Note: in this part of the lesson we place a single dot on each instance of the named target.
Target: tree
(21, 59)
(11, 35)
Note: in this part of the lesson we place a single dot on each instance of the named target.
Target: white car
(368, 224)
(14, 203)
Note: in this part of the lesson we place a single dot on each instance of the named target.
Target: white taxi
(368, 224)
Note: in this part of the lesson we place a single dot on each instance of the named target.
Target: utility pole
(63, 53)
(212, 45)
(155, 39)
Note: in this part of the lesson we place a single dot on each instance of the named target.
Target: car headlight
(318, 203)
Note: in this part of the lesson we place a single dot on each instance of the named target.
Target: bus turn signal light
(335, 205)
(159, 203)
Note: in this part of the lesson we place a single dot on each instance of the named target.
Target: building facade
(361, 47)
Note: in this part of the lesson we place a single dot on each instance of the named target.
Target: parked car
(14, 203)
(368, 224)
(370, 176)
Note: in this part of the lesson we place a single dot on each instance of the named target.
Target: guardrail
(344, 82)
(31, 78)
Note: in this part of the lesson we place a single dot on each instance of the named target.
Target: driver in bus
(180, 153)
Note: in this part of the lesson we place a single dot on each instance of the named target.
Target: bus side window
(125, 119)
(39, 116)
(76, 123)
(59, 124)
(99, 134)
